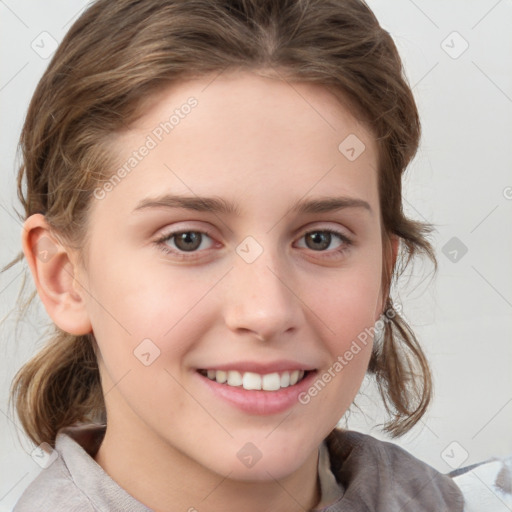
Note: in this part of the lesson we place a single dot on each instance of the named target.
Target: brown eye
(324, 241)
(318, 240)
(178, 243)
(188, 240)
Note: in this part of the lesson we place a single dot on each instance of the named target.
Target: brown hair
(115, 56)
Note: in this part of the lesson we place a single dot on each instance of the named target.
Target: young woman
(213, 223)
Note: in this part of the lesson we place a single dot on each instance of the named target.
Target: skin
(264, 144)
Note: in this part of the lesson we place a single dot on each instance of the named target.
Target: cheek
(349, 304)
(131, 301)
(145, 326)
(349, 301)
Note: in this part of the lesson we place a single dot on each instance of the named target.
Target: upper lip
(260, 367)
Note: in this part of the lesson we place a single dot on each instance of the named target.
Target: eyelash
(161, 243)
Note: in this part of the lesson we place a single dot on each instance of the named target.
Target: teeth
(220, 376)
(285, 379)
(271, 382)
(254, 381)
(251, 381)
(234, 378)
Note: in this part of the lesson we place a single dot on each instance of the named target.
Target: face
(259, 284)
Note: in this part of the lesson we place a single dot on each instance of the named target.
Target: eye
(179, 243)
(319, 240)
(183, 241)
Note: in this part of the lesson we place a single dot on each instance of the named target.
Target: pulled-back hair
(118, 54)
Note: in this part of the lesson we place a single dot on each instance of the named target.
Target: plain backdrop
(457, 59)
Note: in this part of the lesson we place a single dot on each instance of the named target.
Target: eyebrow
(219, 205)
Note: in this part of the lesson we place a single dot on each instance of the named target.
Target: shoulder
(53, 490)
(73, 480)
(486, 486)
(385, 477)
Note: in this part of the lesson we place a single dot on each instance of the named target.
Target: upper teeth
(250, 380)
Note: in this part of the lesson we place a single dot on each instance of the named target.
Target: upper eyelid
(313, 227)
(302, 232)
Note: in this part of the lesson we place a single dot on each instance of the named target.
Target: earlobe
(54, 273)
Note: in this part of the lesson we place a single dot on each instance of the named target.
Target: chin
(273, 468)
(265, 460)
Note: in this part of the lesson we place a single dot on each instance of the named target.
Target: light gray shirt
(75, 482)
(357, 473)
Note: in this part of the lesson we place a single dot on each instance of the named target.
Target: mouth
(255, 381)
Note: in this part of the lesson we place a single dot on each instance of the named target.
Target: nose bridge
(260, 298)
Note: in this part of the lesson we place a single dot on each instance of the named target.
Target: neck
(166, 480)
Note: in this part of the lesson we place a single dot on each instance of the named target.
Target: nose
(260, 299)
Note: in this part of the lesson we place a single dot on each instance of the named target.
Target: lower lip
(259, 402)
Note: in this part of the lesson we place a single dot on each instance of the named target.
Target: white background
(461, 180)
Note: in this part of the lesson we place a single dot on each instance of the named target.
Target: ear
(391, 249)
(54, 274)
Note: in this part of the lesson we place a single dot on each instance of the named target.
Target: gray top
(356, 472)
(75, 482)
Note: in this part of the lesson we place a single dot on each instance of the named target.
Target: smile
(254, 381)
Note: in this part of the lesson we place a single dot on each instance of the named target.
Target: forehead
(244, 132)
(257, 103)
